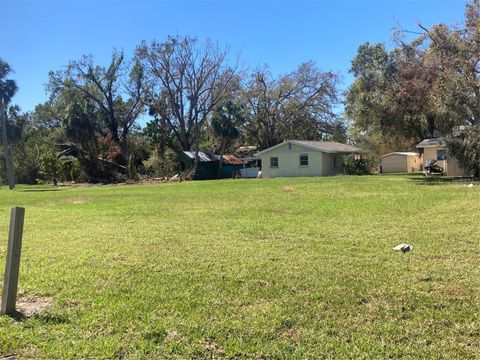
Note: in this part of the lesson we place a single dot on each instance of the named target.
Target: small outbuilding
(435, 149)
(401, 162)
(208, 164)
(304, 158)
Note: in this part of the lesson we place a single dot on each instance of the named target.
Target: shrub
(357, 166)
(157, 165)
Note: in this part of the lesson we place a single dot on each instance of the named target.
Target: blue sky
(37, 36)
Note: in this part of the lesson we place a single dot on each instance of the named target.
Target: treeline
(129, 118)
(428, 86)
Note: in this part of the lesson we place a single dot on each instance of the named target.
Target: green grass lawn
(272, 268)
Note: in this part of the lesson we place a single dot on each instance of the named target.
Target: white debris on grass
(403, 248)
(469, 185)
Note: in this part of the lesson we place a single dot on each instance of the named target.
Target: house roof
(202, 157)
(232, 159)
(206, 157)
(324, 146)
(405, 153)
(430, 143)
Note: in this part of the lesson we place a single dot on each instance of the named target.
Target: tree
(115, 94)
(8, 88)
(50, 166)
(98, 106)
(188, 81)
(225, 122)
(455, 52)
(297, 105)
(390, 97)
(423, 88)
(466, 148)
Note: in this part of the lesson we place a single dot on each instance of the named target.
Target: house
(207, 167)
(397, 162)
(304, 158)
(435, 149)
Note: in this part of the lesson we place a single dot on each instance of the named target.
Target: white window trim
(300, 160)
(274, 167)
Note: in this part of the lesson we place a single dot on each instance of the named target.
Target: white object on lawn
(469, 186)
(403, 248)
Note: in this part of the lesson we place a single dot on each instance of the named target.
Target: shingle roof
(327, 146)
(324, 146)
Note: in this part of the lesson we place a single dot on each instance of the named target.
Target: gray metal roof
(430, 143)
(206, 157)
(405, 153)
(201, 155)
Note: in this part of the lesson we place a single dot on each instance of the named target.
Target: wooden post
(12, 266)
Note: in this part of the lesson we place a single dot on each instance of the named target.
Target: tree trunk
(6, 148)
(197, 149)
(222, 152)
(431, 126)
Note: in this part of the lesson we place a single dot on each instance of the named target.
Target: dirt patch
(211, 346)
(173, 336)
(78, 200)
(288, 189)
(291, 334)
(32, 305)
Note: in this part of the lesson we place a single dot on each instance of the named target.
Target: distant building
(435, 149)
(207, 168)
(401, 162)
(304, 158)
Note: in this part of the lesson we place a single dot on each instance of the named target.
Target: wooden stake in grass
(12, 267)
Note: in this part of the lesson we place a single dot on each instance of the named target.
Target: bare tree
(299, 104)
(188, 81)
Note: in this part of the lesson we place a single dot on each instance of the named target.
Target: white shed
(398, 162)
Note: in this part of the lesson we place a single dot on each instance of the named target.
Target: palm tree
(225, 121)
(8, 88)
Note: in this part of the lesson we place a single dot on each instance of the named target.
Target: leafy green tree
(422, 88)
(466, 148)
(70, 169)
(391, 94)
(50, 166)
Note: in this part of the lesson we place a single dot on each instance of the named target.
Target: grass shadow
(39, 190)
(17, 315)
(433, 180)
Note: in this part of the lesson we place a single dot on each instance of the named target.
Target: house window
(304, 160)
(289, 146)
(334, 162)
(441, 155)
(274, 162)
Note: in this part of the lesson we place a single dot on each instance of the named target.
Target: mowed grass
(267, 269)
